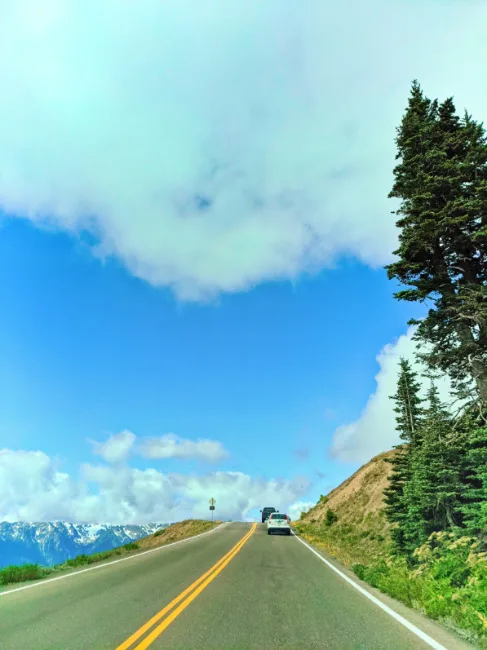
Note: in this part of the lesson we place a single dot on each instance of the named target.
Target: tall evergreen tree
(474, 494)
(436, 470)
(441, 181)
(408, 409)
(408, 404)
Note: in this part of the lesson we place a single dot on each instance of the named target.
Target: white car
(278, 522)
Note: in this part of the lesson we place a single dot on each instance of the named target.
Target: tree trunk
(478, 367)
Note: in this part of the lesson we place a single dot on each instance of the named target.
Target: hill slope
(361, 528)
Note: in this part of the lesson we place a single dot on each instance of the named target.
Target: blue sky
(192, 241)
(91, 350)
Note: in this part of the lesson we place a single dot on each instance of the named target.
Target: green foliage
(159, 532)
(83, 559)
(432, 493)
(439, 478)
(408, 404)
(78, 560)
(449, 581)
(474, 501)
(441, 182)
(330, 517)
(349, 543)
(21, 573)
(409, 412)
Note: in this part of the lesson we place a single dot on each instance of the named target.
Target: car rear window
(274, 516)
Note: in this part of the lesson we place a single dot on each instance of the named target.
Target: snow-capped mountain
(49, 543)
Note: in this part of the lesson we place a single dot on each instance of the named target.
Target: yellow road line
(208, 576)
(167, 621)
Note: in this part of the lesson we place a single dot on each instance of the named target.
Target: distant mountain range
(48, 543)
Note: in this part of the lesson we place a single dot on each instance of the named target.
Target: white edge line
(100, 566)
(400, 619)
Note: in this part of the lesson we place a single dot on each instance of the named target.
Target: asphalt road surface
(233, 588)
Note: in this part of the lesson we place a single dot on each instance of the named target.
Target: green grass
(447, 579)
(83, 559)
(349, 543)
(26, 572)
(22, 573)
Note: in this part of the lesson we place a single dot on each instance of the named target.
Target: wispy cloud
(211, 146)
(172, 446)
(119, 446)
(116, 448)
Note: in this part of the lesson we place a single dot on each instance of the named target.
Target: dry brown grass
(362, 530)
(176, 532)
(360, 498)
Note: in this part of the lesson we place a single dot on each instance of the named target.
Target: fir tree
(441, 181)
(474, 494)
(434, 503)
(408, 409)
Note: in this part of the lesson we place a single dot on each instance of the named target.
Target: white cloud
(172, 446)
(117, 448)
(235, 492)
(295, 509)
(32, 488)
(282, 115)
(375, 430)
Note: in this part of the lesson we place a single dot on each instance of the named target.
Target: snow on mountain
(49, 543)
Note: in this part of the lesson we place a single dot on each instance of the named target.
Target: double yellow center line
(187, 597)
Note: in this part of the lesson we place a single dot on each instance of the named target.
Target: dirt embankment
(359, 528)
(360, 498)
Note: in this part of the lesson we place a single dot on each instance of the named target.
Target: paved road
(259, 591)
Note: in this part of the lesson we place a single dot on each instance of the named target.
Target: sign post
(212, 506)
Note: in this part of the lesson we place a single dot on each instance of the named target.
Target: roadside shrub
(22, 573)
(159, 532)
(448, 581)
(83, 559)
(79, 560)
(103, 555)
(131, 546)
(331, 517)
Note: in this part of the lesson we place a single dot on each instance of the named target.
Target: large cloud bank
(214, 145)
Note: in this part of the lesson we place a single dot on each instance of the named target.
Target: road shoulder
(450, 638)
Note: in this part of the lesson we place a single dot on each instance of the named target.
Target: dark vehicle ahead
(266, 513)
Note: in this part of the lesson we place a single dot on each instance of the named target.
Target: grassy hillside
(173, 533)
(361, 530)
